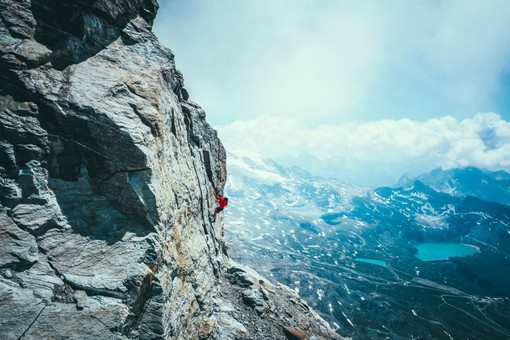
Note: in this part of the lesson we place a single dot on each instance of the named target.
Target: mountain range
(491, 186)
(359, 255)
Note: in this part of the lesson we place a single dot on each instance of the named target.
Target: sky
(397, 86)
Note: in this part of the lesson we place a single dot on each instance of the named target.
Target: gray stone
(242, 279)
(18, 309)
(107, 170)
(40, 279)
(98, 321)
(230, 328)
(260, 310)
(80, 297)
(32, 52)
(18, 249)
(265, 293)
(18, 19)
(252, 297)
(35, 218)
(10, 192)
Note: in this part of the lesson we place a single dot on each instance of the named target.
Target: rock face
(106, 178)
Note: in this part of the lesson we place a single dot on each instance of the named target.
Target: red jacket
(221, 201)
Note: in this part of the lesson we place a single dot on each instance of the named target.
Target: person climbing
(222, 203)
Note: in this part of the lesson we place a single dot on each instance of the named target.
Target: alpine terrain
(428, 259)
(107, 176)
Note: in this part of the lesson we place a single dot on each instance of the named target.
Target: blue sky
(323, 69)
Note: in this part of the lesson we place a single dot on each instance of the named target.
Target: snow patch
(348, 320)
(320, 294)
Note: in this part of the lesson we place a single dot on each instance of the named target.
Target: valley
(352, 252)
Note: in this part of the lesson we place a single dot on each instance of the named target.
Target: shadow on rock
(91, 214)
(76, 30)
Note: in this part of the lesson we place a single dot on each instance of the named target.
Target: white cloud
(334, 61)
(482, 141)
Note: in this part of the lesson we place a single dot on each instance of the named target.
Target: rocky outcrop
(107, 171)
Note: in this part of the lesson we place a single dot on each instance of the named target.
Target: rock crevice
(107, 171)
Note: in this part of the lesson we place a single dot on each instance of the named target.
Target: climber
(222, 203)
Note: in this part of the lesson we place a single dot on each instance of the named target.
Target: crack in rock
(33, 322)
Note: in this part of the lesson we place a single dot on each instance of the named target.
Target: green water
(443, 251)
(372, 261)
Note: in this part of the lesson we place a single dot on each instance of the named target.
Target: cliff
(107, 171)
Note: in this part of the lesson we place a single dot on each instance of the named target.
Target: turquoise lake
(443, 251)
(372, 261)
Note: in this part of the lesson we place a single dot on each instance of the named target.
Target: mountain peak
(492, 186)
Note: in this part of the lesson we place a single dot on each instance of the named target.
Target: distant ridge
(492, 186)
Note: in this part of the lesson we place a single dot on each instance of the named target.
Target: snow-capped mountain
(290, 188)
(355, 254)
(486, 185)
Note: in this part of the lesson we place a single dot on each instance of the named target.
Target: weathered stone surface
(252, 297)
(18, 19)
(18, 308)
(19, 248)
(36, 218)
(230, 328)
(99, 320)
(107, 171)
(80, 297)
(241, 278)
(22, 138)
(41, 280)
(32, 53)
(268, 311)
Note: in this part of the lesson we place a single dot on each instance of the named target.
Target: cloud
(335, 61)
(482, 141)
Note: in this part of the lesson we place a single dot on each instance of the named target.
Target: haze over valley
(429, 258)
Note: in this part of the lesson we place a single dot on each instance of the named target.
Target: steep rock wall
(106, 178)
